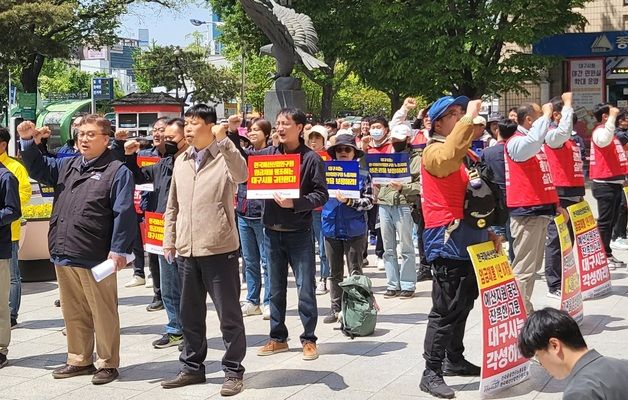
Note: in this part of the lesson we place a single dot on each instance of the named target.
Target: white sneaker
(266, 312)
(619, 244)
(249, 308)
(380, 264)
(135, 281)
(149, 282)
(554, 294)
(614, 263)
(365, 263)
(321, 288)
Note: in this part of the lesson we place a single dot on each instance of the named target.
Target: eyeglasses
(344, 149)
(452, 113)
(89, 135)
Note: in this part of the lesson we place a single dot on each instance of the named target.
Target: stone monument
(293, 39)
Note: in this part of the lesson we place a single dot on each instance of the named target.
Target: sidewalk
(381, 367)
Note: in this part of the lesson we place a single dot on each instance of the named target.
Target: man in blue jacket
(10, 211)
(93, 219)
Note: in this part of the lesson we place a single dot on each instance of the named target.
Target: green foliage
(186, 71)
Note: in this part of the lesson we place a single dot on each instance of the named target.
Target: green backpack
(359, 309)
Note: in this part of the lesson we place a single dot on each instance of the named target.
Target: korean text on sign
(386, 168)
(272, 174)
(143, 161)
(595, 277)
(503, 316)
(153, 232)
(571, 294)
(343, 177)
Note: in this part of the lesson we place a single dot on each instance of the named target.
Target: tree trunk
(30, 73)
(395, 101)
(327, 99)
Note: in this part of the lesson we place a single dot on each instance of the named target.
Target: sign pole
(93, 100)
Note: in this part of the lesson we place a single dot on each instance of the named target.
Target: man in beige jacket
(200, 228)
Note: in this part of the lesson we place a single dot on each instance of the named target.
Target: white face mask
(377, 134)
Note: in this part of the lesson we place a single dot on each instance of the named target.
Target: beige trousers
(89, 308)
(5, 312)
(528, 235)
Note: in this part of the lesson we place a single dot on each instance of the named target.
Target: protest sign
(46, 190)
(343, 177)
(324, 155)
(570, 293)
(272, 174)
(595, 277)
(386, 168)
(503, 316)
(153, 233)
(143, 161)
(626, 192)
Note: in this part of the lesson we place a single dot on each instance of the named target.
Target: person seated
(555, 340)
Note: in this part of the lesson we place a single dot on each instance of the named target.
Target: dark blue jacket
(342, 222)
(252, 209)
(10, 209)
(150, 200)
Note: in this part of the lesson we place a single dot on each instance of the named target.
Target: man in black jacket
(93, 219)
(160, 175)
(10, 211)
(288, 225)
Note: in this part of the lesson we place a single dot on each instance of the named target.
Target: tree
(41, 29)
(59, 78)
(465, 47)
(184, 70)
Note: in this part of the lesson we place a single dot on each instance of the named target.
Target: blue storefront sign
(595, 44)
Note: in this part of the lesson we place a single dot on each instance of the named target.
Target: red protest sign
(143, 161)
(324, 155)
(595, 277)
(272, 174)
(571, 294)
(503, 316)
(154, 233)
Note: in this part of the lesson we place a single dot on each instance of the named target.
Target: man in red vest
(608, 173)
(566, 166)
(530, 194)
(454, 287)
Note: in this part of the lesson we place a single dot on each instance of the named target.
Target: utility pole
(243, 77)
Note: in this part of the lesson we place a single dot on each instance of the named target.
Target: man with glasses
(93, 219)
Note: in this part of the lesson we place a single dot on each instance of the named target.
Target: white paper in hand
(108, 267)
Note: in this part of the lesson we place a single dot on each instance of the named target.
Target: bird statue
(292, 35)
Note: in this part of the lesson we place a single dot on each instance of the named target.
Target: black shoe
(183, 379)
(406, 294)
(3, 361)
(105, 375)
(70, 371)
(460, 368)
(424, 273)
(13, 323)
(156, 305)
(168, 340)
(390, 294)
(432, 382)
(180, 347)
(57, 303)
(331, 318)
(231, 386)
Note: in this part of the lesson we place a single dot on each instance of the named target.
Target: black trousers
(608, 196)
(217, 275)
(454, 289)
(619, 230)
(553, 255)
(336, 251)
(420, 244)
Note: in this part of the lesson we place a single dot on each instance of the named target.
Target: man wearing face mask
(160, 175)
(395, 209)
(377, 141)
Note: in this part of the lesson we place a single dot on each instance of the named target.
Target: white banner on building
(587, 83)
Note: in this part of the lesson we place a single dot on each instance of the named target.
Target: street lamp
(210, 34)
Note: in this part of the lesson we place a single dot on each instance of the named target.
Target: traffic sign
(102, 88)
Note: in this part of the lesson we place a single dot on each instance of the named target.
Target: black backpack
(484, 204)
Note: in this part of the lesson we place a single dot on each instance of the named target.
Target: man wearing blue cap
(447, 235)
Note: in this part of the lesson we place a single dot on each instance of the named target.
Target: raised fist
(219, 131)
(567, 98)
(614, 112)
(121, 135)
(131, 147)
(548, 109)
(409, 103)
(473, 108)
(44, 132)
(27, 130)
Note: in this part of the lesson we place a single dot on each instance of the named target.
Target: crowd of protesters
(419, 227)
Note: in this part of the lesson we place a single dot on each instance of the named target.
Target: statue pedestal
(286, 92)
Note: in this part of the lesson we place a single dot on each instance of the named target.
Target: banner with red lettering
(143, 161)
(595, 277)
(153, 233)
(272, 174)
(571, 295)
(503, 316)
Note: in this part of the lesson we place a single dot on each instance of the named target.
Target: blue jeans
(320, 239)
(254, 254)
(397, 220)
(15, 293)
(171, 294)
(297, 250)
